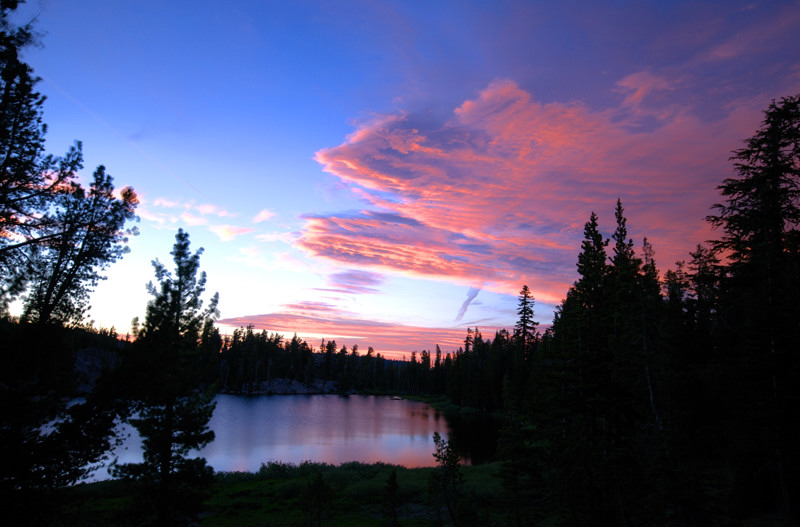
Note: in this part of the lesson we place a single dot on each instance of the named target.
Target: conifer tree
(165, 374)
(760, 223)
(46, 442)
(87, 235)
(30, 179)
(525, 328)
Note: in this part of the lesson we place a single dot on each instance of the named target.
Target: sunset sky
(388, 173)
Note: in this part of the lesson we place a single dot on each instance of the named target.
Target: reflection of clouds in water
(295, 428)
(292, 429)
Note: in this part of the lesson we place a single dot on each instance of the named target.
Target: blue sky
(369, 171)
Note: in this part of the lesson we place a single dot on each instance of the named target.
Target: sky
(389, 173)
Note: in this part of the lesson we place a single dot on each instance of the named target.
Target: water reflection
(292, 429)
(328, 428)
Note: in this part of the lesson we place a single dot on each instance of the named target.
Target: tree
(447, 481)
(760, 223)
(165, 377)
(525, 329)
(572, 401)
(87, 235)
(29, 179)
(519, 473)
(49, 438)
(48, 442)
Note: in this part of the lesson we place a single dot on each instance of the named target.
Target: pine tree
(46, 442)
(525, 328)
(30, 180)
(165, 372)
(88, 234)
(760, 223)
(572, 402)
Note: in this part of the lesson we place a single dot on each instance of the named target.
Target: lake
(327, 428)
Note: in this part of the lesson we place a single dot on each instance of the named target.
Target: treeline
(674, 401)
(654, 398)
(660, 401)
(248, 361)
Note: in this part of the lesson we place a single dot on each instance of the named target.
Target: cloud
(498, 193)
(471, 294)
(640, 85)
(318, 320)
(208, 208)
(191, 219)
(285, 237)
(354, 282)
(168, 212)
(227, 233)
(164, 211)
(162, 202)
(769, 30)
(264, 215)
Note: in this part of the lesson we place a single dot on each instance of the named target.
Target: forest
(656, 397)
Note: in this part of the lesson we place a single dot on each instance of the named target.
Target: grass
(278, 495)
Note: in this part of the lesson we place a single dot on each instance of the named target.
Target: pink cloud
(498, 193)
(317, 320)
(639, 85)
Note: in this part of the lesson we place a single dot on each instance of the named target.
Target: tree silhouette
(525, 329)
(49, 439)
(165, 375)
(446, 481)
(760, 223)
(29, 179)
(88, 234)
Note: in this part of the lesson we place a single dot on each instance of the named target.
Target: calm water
(328, 428)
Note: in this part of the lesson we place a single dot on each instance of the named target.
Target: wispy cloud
(471, 294)
(167, 212)
(227, 233)
(499, 192)
(191, 219)
(355, 281)
(210, 209)
(264, 215)
(640, 85)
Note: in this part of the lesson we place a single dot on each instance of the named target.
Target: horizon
(390, 174)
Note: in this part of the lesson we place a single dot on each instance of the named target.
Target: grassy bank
(352, 494)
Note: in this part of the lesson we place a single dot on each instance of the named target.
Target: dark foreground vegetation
(311, 494)
(654, 399)
(315, 494)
